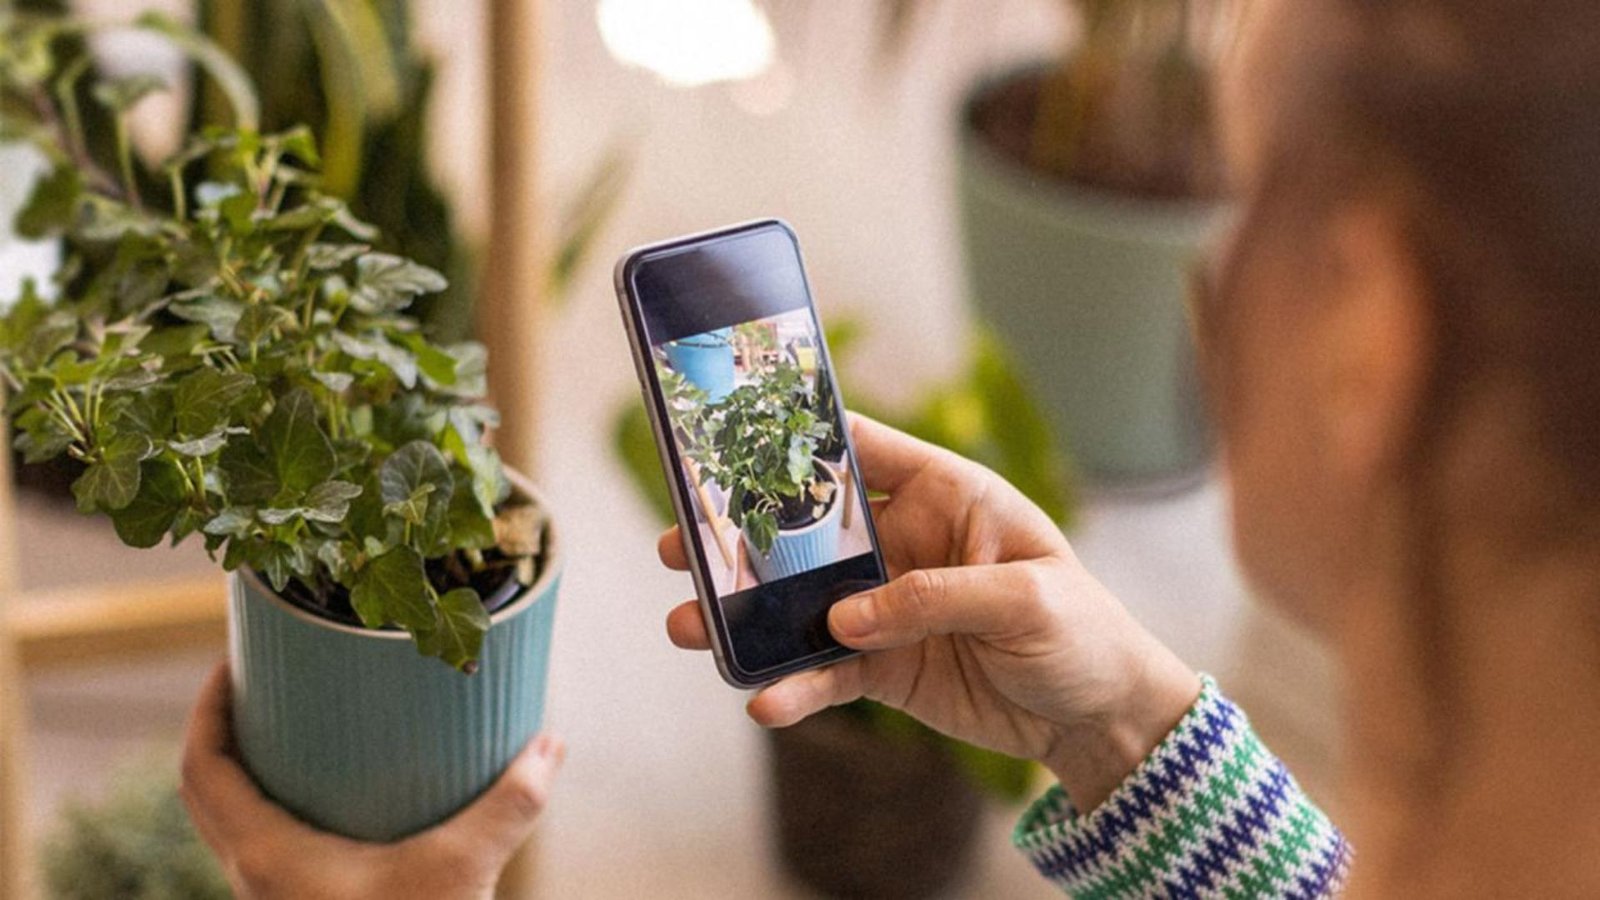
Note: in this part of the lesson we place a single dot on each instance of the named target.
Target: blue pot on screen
(706, 360)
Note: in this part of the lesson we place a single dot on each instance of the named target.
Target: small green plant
(1128, 107)
(760, 444)
(245, 368)
(136, 843)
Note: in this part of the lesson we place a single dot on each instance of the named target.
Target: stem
(125, 163)
(180, 203)
(66, 95)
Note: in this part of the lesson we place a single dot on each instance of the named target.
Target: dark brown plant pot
(869, 815)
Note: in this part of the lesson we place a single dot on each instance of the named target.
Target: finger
(977, 600)
(888, 458)
(497, 823)
(686, 627)
(798, 696)
(670, 549)
(225, 803)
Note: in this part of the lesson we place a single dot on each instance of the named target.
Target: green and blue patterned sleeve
(1210, 813)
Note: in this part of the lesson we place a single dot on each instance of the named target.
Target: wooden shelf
(106, 623)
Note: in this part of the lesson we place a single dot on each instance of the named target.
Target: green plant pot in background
(1086, 289)
(357, 733)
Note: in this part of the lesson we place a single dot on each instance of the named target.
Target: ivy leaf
(259, 320)
(470, 525)
(438, 366)
(200, 446)
(324, 257)
(388, 283)
(247, 472)
(40, 436)
(338, 382)
(280, 561)
(143, 522)
(112, 482)
(398, 361)
(330, 501)
(204, 397)
(394, 588)
(53, 205)
(233, 521)
(220, 314)
(295, 445)
(457, 638)
(409, 470)
(412, 509)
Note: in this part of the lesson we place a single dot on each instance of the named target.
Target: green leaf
(413, 509)
(323, 256)
(220, 314)
(457, 638)
(112, 482)
(295, 445)
(388, 283)
(407, 472)
(200, 446)
(233, 521)
(204, 398)
(248, 474)
(259, 320)
(471, 526)
(40, 435)
(53, 205)
(161, 496)
(438, 366)
(330, 501)
(394, 588)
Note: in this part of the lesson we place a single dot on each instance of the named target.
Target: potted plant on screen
(244, 371)
(759, 443)
(1087, 184)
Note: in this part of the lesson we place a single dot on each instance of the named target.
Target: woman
(1401, 340)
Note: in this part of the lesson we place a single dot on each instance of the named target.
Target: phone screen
(768, 489)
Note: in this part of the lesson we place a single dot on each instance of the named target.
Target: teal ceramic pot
(706, 360)
(797, 550)
(1086, 289)
(355, 732)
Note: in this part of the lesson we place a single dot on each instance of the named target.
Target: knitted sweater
(1210, 813)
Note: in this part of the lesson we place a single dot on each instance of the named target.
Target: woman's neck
(1475, 724)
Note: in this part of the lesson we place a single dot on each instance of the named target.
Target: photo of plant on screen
(755, 422)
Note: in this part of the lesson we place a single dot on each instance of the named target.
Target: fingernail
(856, 617)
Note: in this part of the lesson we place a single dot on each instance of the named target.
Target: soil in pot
(869, 815)
(798, 512)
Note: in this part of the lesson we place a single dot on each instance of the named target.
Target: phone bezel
(666, 448)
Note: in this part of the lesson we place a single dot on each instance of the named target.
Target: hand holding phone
(750, 428)
(990, 632)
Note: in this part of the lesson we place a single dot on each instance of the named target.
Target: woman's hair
(1482, 119)
(1479, 123)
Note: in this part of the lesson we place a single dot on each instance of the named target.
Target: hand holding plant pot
(235, 364)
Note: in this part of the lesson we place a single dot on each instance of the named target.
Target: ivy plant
(759, 443)
(244, 369)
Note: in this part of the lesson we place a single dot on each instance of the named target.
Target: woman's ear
(1376, 346)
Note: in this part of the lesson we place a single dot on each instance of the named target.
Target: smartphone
(751, 431)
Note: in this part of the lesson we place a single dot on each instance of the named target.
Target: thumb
(976, 600)
(496, 824)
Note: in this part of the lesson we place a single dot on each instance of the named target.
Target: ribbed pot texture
(356, 733)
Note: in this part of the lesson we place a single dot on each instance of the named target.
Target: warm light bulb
(689, 42)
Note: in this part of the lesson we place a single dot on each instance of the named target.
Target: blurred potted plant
(244, 370)
(348, 70)
(137, 842)
(868, 801)
(1086, 185)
